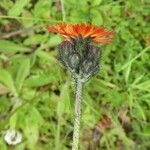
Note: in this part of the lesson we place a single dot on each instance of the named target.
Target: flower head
(77, 52)
(97, 34)
(13, 137)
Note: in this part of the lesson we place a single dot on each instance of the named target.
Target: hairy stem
(77, 113)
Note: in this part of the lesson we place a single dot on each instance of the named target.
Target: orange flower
(97, 34)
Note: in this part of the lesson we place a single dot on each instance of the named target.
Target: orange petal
(98, 30)
(70, 30)
(106, 33)
(89, 30)
(103, 40)
(52, 29)
(85, 30)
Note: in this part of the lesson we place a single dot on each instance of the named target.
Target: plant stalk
(77, 113)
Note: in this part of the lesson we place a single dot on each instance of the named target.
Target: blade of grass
(137, 56)
(63, 10)
(28, 18)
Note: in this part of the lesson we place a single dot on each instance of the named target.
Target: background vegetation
(36, 92)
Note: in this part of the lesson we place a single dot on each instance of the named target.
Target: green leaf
(64, 103)
(6, 79)
(40, 80)
(23, 72)
(13, 121)
(96, 17)
(116, 11)
(3, 146)
(54, 41)
(136, 57)
(32, 123)
(144, 85)
(32, 133)
(127, 72)
(146, 130)
(8, 46)
(34, 117)
(42, 9)
(96, 2)
(18, 7)
(140, 111)
(46, 56)
(122, 136)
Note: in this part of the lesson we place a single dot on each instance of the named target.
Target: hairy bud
(80, 57)
(74, 59)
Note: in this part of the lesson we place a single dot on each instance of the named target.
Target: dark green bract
(80, 57)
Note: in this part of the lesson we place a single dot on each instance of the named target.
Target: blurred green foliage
(36, 92)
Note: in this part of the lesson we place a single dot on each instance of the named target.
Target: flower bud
(86, 66)
(80, 57)
(74, 61)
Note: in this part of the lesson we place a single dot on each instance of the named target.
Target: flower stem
(77, 113)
